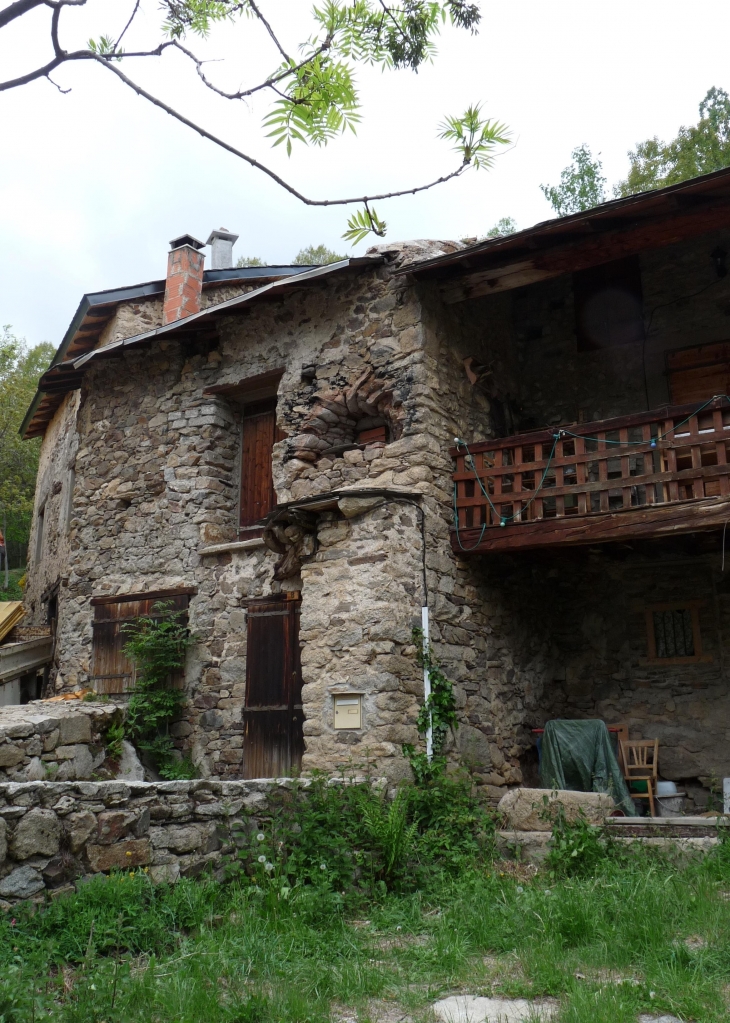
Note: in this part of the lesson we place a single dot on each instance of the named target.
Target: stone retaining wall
(54, 833)
(49, 741)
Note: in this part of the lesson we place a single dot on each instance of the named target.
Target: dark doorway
(273, 740)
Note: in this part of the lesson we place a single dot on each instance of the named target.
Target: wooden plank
(656, 232)
(685, 476)
(622, 525)
(663, 413)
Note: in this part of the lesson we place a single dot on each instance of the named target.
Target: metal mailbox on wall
(348, 711)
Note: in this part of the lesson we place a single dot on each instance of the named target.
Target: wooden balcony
(647, 475)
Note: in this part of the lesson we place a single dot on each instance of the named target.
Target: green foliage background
(20, 368)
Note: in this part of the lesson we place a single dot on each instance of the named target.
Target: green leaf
(475, 138)
(362, 223)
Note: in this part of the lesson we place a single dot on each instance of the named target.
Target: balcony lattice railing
(661, 471)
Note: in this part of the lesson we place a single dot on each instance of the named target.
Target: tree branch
(132, 16)
(269, 29)
(270, 82)
(17, 10)
(255, 163)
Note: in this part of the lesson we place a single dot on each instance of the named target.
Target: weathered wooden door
(260, 433)
(273, 740)
(111, 670)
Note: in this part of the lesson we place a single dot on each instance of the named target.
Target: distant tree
(250, 261)
(503, 227)
(698, 149)
(582, 184)
(20, 368)
(316, 255)
(311, 83)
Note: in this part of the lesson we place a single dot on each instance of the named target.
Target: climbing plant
(437, 711)
(157, 645)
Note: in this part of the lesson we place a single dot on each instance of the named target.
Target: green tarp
(577, 755)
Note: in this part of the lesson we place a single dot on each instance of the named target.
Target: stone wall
(156, 484)
(54, 833)
(570, 640)
(45, 740)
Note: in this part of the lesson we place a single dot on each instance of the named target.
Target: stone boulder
(527, 809)
(21, 883)
(130, 768)
(38, 832)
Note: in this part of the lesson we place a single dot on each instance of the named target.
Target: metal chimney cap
(186, 239)
(222, 234)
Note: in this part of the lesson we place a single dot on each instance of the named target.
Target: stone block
(136, 852)
(39, 831)
(183, 840)
(50, 741)
(22, 883)
(526, 809)
(74, 729)
(212, 720)
(165, 873)
(114, 825)
(65, 752)
(10, 755)
(79, 828)
(3, 840)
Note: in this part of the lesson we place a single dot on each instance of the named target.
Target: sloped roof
(97, 308)
(614, 229)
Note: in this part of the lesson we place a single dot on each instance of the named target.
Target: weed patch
(401, 916)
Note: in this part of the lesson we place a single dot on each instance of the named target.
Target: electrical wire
(504, 519)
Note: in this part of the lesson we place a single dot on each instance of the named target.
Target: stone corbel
(292, 534)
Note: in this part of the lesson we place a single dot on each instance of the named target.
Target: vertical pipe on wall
(426, 680)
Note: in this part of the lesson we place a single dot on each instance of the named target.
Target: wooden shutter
(111, 671)
(696, 374)
(272, 717)
(257, 485)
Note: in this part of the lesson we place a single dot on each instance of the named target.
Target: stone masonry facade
(155, 454)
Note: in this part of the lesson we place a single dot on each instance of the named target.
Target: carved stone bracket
(292, 534)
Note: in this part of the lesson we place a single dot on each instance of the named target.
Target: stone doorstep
(664, 827)
(534, 846)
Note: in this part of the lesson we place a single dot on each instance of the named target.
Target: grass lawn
(13, 592)
(638, 935)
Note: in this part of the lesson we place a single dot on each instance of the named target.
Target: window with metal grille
(673, 633)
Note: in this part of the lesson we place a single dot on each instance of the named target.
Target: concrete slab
(473, 1009)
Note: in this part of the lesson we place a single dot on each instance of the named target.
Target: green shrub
(157, 645)
(577, 847)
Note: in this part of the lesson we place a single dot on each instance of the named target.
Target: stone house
(519, 435)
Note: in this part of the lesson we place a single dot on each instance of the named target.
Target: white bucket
(670, 806)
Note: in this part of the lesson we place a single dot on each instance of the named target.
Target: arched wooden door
(273, 741)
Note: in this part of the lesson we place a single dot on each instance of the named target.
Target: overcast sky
(94, 183)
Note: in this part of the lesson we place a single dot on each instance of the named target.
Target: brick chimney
(184, 284)
(221, 248)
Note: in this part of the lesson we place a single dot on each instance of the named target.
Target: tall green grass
(258, 949)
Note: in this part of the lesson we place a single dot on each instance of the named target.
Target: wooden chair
(640, 761)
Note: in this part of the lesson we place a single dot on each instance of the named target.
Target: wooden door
(273, 741)
(112, 672)
(257, 484)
